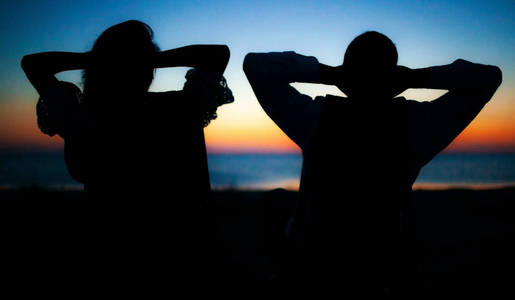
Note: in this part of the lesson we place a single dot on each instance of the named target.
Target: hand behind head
(373, 84)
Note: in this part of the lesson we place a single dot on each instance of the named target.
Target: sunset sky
(425, 33)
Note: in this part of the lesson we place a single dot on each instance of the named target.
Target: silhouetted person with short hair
(362, 154)
(141, 155)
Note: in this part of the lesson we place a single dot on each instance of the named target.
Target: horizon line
(50, 150)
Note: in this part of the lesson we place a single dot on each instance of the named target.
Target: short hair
(370, 49)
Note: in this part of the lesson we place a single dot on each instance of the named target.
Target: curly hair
(122, 49)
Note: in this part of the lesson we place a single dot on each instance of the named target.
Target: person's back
(362, 154)
(357, 166)
(150, 189)
(152, 155)
(141, 156)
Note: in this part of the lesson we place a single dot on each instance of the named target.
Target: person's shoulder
(165, 93)
(68, 85)
(410, 102)
(167, 99)
(63, 90)
(61, 95)
(414, 105)
(418, 112)
(331, 100)
(163, 97)
(56, 105)
(329, 97)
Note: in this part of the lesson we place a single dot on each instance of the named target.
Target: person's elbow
(490, 82)
(495, 75)
(491, 79)
(487, 78)
(27, 62)
(251, 64)
(225, 53)
(220, 55)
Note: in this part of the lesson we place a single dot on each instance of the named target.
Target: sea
(268, 171)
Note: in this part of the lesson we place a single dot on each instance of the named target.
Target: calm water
(246, 171)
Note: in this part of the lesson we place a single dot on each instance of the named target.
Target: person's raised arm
(270, 75)
(436, 123)
(40, 68)
(460, 77)
(330, 75)
(203, 57)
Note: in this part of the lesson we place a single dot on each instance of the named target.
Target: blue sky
(425, 32)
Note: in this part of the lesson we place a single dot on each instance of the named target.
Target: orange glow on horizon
(266, 138)
(253, 132)
(19, 129)
(485, 137)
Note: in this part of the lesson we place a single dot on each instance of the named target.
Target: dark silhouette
(352, 228)
(141, 155)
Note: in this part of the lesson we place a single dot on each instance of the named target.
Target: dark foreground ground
(465, 237)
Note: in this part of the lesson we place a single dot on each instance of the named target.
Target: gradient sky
(425, 32)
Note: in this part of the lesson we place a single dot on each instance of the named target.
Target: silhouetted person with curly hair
(141, 155)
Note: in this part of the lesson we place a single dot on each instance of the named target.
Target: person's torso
(155, 148)
(355, 184)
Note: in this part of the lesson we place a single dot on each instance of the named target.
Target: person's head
(368, 64)
(120, 62)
